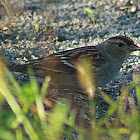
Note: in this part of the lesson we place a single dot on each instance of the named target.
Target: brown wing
(64, 62)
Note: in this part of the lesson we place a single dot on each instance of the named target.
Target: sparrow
(106, 60)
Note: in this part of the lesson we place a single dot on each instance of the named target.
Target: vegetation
(23, 115)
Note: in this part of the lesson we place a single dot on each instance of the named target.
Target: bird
(106, 61)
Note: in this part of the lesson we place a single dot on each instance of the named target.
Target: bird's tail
(19, 68)
(24, 68)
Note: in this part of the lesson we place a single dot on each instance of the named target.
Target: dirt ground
(39, 28)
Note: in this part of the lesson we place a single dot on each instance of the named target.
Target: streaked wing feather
(65, 61)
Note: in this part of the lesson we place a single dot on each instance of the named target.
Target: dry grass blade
(86, 76)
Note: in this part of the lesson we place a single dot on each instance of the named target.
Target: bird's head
(120, 47)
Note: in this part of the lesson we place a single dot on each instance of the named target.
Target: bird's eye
(119, 44)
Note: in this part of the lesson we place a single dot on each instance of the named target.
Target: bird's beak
(134, 48)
